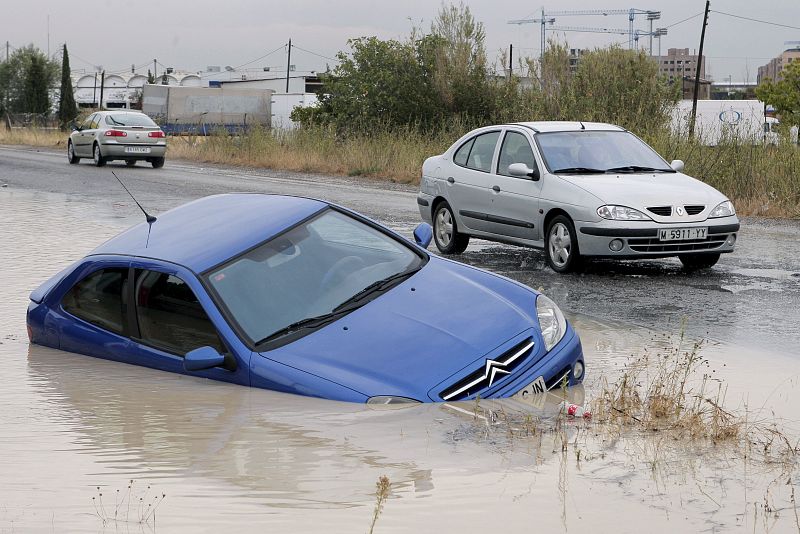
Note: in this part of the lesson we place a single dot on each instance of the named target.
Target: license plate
(682, 234)
(137, 149)
(533, 392)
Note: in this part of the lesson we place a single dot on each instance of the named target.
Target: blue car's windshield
(598, 152)
(310, 275)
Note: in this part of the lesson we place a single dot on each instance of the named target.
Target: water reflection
(280, 447)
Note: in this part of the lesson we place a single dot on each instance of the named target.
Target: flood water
(88, 445)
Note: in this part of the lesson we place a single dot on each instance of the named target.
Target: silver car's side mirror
(677, 165)
(521, 170)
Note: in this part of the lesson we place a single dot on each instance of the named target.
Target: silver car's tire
(71, 157)
(694, 262)
(561, 245)
(99, 160)
(445, 231)
(157, 163)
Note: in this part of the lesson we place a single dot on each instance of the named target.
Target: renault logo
(679, 210)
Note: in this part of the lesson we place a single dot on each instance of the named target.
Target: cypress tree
(37, 90)
(67, 109)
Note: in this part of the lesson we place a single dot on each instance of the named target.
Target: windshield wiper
(375, 287)
(342, 309)
(636, 168)
(578, 170)
(308, 322)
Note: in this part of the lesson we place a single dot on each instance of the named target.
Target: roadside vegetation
(389, 104)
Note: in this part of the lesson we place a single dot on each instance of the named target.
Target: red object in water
(573, 410)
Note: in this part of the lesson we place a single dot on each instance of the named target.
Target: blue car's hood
(418, 334)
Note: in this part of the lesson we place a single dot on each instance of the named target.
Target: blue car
(303, 296)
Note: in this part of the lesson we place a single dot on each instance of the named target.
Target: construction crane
(549, 18)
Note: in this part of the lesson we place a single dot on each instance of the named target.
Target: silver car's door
(82, 140)
(468, 179)
(514, 201)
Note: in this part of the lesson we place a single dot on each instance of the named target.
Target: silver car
(125, 135)
(575, 189)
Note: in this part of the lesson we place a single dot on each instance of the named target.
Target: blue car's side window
(99, 299)
(169, 315)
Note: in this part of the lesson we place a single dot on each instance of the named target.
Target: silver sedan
(576, 190)
(125, 135)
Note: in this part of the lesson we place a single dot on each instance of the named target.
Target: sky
(190, 35)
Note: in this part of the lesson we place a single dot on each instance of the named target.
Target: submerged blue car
(302, 296)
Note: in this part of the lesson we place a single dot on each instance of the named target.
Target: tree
(784, 95)
(37, 86)
(22, 92)
(151, 79)
(67, 109)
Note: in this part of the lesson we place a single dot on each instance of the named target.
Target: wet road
(750, 298)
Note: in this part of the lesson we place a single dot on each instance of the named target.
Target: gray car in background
(125, 135)
(575, 189)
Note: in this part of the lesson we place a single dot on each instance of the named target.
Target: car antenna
(150, 218)
(582, 126)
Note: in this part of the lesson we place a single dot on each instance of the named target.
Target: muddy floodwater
(88, 445)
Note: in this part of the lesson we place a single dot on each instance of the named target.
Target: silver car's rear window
(129, 119)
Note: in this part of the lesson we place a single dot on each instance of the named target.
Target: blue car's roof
(208, 231)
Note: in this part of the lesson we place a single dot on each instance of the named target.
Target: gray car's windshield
(598, 152)
(129, 119)
(310, 275)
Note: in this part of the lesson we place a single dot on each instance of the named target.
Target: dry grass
(382, 488)
(761, 181)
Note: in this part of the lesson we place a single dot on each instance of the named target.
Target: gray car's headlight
(391, 399)
(551, 321)
(724, 209)
(621, 213)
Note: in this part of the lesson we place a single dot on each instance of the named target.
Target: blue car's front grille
(490, 373)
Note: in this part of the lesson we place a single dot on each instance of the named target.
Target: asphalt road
(751, 298)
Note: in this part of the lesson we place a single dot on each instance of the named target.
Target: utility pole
(102, 85)
(288, 64)
(94, 91)
(154, 69)
(510, 60)
(697, 74)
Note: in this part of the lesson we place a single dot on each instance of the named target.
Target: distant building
(687, 88)
(575, 57)
(772, 70)
(122, 90)
(678, 64)
(731, 90)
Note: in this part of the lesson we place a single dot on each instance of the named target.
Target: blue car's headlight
(391, 399)
(551, 321)
(724, 209)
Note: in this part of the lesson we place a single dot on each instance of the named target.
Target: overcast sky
(192, 34)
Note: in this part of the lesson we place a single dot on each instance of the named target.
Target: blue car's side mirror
(423, 235)
(203, 358)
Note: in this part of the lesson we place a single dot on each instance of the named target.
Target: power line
(757, 20)
(261, 57)
(684, 20)
(314, 53)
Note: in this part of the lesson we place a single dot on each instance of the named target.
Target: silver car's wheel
(71, 157)
(445, 231)
(562, 245)
(444, 227)
(99, 160)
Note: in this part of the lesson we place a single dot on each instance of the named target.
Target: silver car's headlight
(621, 213)
(551, 321)
(724, 209)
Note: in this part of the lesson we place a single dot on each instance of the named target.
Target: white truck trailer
(718, 120)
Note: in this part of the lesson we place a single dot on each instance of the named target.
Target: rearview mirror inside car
(522, 170)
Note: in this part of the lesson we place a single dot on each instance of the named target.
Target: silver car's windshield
(309, 276)
(598, 152)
